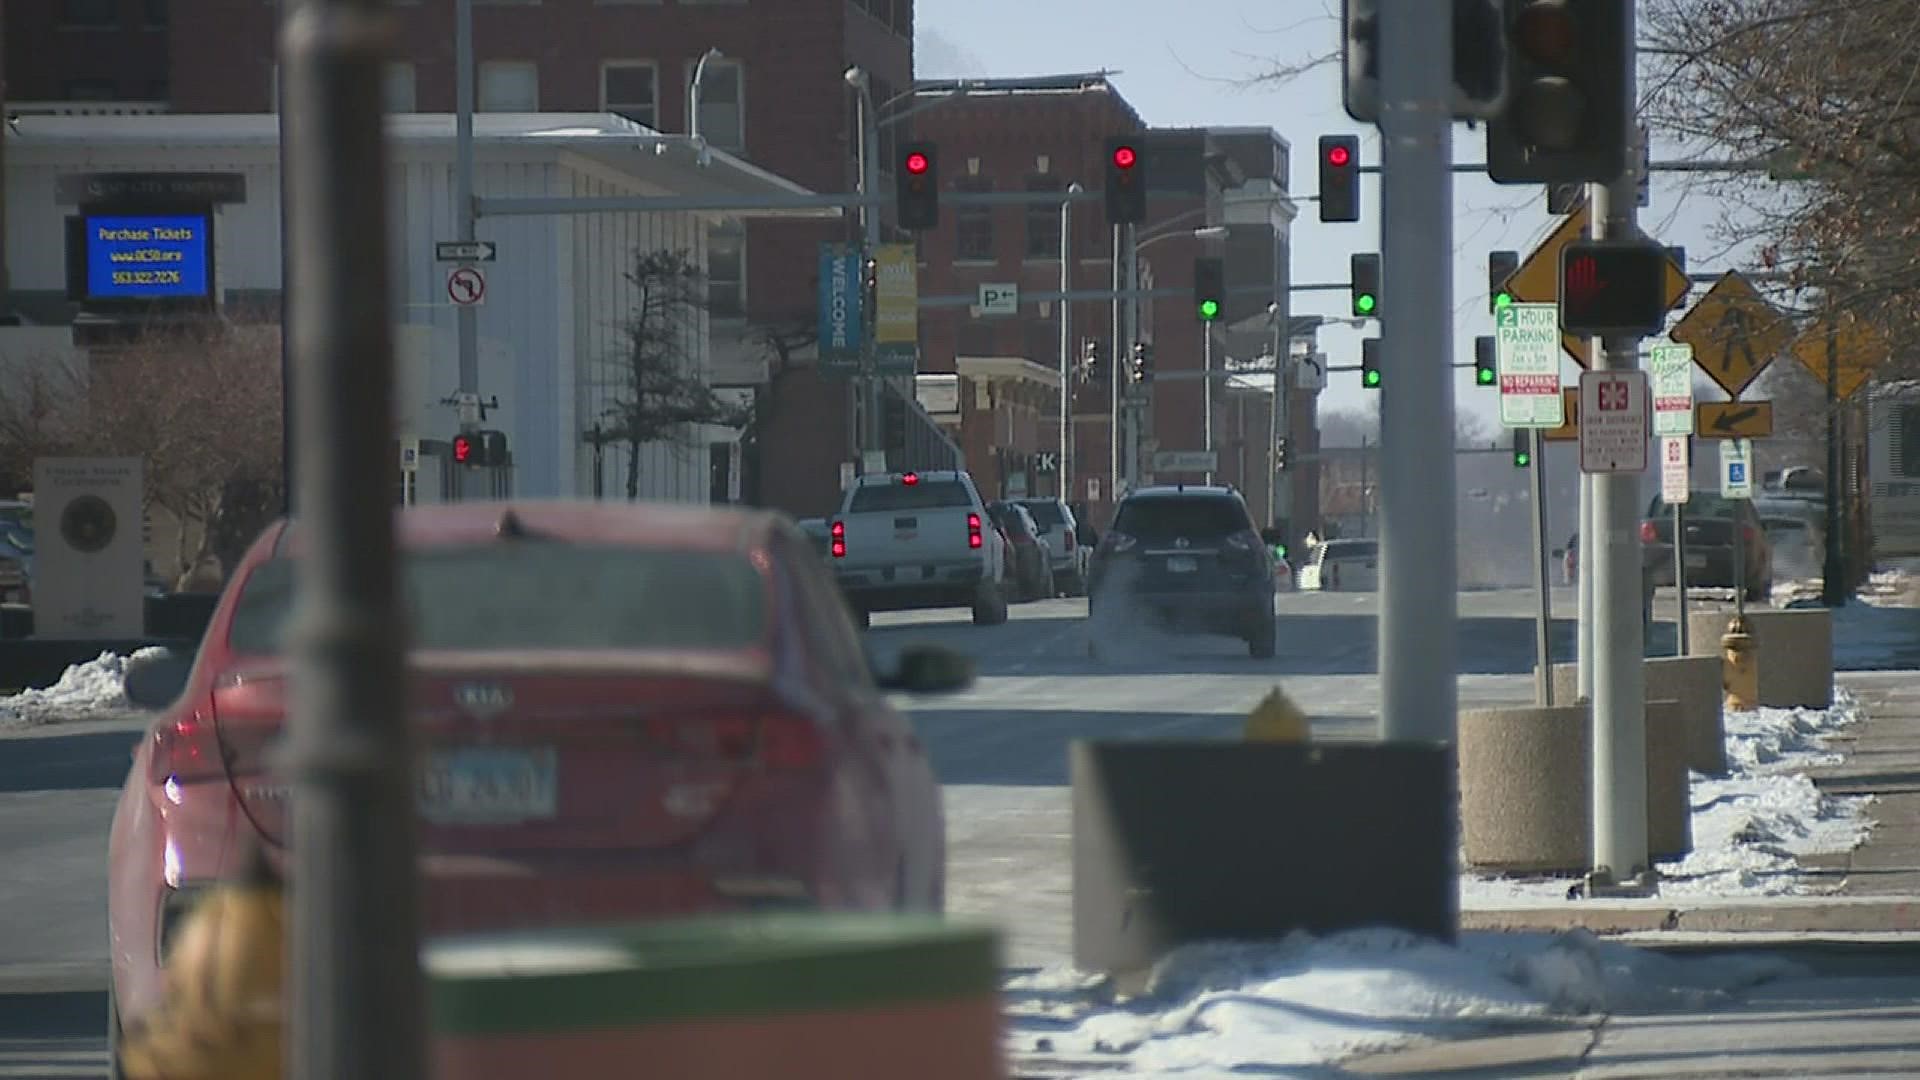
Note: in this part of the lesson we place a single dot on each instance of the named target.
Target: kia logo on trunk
(483, 699)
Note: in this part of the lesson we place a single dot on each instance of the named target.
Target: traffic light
(1370, 363)
(1142, 362)
(1522, 448)
(464, 447)
(1209, 287)
(1339, 178)
(1089, 359)
(1280, 449)
(1485, 373)
(1126, 182)
(493, 449)
(1500, 266)
(1613, 287)
(1364, 271)
(1569, 63)
(917, 187)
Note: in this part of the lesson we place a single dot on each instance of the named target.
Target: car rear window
(1047, 515)
(545, 596)
(1173, 516)
(925, 495)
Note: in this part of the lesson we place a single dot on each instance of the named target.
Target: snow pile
(1305, 1001)
(1749, 827)
(88, 691)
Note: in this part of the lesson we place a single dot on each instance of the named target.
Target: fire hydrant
(1740, 666)
(1277, 719)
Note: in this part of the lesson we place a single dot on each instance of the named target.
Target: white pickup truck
(918, 540)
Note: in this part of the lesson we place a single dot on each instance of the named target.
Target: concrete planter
(1795, 652)
(1694, 682)
(1525, 778)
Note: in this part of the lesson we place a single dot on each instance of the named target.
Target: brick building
(1043, 135)
(776, 95)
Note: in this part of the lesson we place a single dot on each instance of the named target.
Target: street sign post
(1734, 332)
(467, 286)
(999, 300)
(464, 251)
(1671, 368)
(1736, 469)
(1675, 479)
(1613, 421)
(1527, 356)
(1733, 419)
(1538, 279)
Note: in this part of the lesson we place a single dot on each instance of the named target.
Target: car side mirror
(155, 678)
(927, 669)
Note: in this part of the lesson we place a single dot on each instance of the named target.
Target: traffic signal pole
(870, 223)
(1113, 381)
(465, 214)
(1619, 703)
(1418, 608)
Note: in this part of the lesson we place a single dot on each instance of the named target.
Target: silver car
(1061, 531)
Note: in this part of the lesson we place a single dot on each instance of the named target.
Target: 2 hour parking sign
(1526, 349)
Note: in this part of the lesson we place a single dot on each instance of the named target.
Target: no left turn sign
(466, 286)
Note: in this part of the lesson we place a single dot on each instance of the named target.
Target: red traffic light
(917, 163)
(1546, 31)
(1338, 157)
(462, 449)
(1124, 157)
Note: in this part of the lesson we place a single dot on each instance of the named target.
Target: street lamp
(702, 154)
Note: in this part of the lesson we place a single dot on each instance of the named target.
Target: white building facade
(557, 298)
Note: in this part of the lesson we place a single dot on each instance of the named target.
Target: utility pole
(1619, 702)
(1418, 541)
(870, 222)
(1206, 403)
(356, 1009)
(1064, 475)
(1113, 382)
(1130, 444)
(1278, 422)
(466, 316)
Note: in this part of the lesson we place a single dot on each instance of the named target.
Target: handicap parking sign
(1737, 473)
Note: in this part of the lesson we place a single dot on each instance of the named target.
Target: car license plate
(1696, 562)
(1182, 564)
(487, 786)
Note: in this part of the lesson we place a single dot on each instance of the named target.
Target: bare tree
(663, 392)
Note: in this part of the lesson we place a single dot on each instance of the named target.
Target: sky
(1187, 64)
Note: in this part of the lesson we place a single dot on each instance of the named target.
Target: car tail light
(1649, 534)
(839, 539)
(186, 749)
(774, 740)
(973, 531)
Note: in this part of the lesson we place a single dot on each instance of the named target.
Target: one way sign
(1047, 462)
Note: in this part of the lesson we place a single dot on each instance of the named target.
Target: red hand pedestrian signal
(462, 449)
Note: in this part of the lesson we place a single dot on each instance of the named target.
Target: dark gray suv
(1186, 558)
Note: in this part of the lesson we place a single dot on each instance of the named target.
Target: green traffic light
(1501, 300)
(1371, 378)
(1522, 459)
(1363, 304)
(1485, 377)
(1209, 309)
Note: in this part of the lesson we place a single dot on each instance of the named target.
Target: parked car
(1186, 559)
(1032, 556)
(1062, 532)
(647, 711)
(1342, 565)
(1716, 528)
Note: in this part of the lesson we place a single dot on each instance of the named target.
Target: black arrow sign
(1731, 420)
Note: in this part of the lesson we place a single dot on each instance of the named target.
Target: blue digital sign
(148, 257)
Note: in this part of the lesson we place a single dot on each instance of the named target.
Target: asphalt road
(1000, 748)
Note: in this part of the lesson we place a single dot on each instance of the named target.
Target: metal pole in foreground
(1063, 475)
(286, 347)
(1619, 709)
(466, 318)
(1418, 539)
(355, 983)
(1206, 409)
(1113, 382)
(1543, 617)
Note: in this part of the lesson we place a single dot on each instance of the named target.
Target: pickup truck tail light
(1648, 534)
(973, 531)
(839, 539)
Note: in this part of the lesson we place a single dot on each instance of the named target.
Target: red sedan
(623, 711)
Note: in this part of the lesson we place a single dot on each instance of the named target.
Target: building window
(1043, 221)
(508, 86)
(92, 14)
(973, 225)
(722, 98)
(727, 271)
(399, 88)
(92, 90)
(631, 88)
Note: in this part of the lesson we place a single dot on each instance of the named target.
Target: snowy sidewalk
(1883, 761)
